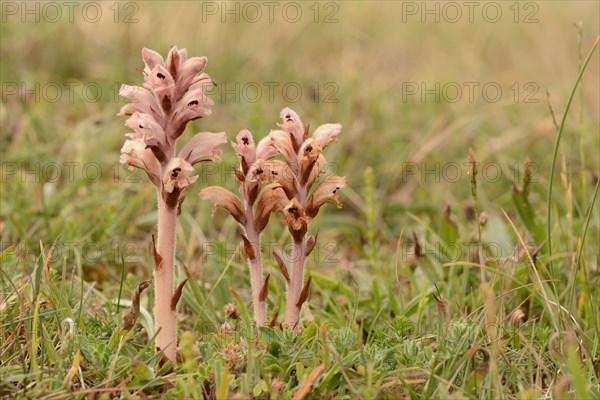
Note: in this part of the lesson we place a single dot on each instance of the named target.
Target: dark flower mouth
(193, 103)
(161, 76)
(175, 172)
(245, 140)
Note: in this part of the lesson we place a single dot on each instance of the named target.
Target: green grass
(394, 310)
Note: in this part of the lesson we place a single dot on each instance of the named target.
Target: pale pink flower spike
(173, 95)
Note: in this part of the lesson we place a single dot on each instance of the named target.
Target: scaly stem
(292, 310)
(165, 317)
(256, 275)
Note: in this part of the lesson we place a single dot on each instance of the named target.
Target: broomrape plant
(173, 95)
(303, 155)
(262, 183)
(269, 185)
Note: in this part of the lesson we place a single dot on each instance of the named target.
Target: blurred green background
(376, 67)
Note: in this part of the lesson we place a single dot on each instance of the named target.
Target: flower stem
(256, 278)
(292, 310)
(164, 316)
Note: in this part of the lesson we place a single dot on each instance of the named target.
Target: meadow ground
(425, 285)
